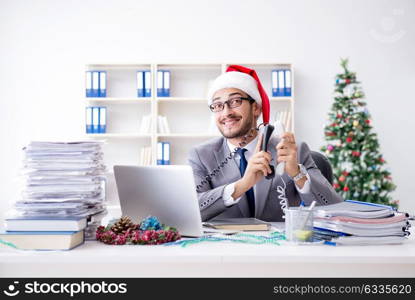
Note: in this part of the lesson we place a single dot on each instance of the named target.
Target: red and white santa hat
(246, 80)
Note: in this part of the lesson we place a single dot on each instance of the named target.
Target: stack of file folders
(61, 181)
(360, 223)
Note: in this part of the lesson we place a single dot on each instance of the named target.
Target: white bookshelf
(119, 135)
(102, 101)
(187, 112)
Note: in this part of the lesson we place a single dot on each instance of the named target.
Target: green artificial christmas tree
(352, 148)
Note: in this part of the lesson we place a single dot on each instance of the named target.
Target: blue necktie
(250, 193)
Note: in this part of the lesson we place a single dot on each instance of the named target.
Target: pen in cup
(309, 214)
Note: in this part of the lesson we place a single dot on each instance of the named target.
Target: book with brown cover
(243, 224)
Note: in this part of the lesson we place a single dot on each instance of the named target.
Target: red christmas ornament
(381, 159)
(349, 139)
(356, 153)
(367, 121)
(342, 178)
(348, 81)
(330, 133)
(346, 188)
(345, 173)
(336, 185)
(339, 116)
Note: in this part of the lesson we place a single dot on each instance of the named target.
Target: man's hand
(258, 167)
(287, 151)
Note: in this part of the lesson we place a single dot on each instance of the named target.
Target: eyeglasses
(232, 103)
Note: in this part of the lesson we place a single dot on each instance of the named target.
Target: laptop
(166, 192)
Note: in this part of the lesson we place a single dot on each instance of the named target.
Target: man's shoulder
(214, 144)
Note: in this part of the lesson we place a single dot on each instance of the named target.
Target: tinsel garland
(244, 238)
(150, 232)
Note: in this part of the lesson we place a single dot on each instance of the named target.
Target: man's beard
(245, 129)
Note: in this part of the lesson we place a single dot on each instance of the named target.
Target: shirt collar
(250, 147)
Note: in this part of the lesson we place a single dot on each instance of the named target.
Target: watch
(303, 173)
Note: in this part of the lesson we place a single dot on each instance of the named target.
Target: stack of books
(145, 157)
(163, 125)
(44, 233)
(360, 223)
(145, 127)
(284, 117)
(63, 188)
(239, 224)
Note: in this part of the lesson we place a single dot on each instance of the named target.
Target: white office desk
(213, 259)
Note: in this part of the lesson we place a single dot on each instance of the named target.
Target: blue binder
(281, 83)
(102, 127)
(95, 119)
(166, 83)
(95, 84)
(102, 90)
(160, 83)
(88, 84)
(88, 119)
(274, 83)
(147, 83)
(166, 153)
(160, 153)
(287, 90)
(140, 83)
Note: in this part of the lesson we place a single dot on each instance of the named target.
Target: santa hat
(246, 80)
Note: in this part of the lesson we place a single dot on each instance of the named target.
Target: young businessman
(239, 188)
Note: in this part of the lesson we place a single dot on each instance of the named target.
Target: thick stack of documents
(63, 184)
(360, 223)
(65, 179)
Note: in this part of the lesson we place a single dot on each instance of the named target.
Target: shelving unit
(187, 112)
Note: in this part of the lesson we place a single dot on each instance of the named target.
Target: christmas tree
(352, 146)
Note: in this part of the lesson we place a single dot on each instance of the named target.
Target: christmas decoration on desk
(149, 232)
(353, 148)
(273, 238)
(123, 225)
(150, 223)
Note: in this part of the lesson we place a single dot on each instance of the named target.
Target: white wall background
(45, 44)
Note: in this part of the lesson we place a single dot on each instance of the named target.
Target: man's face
(235, 122)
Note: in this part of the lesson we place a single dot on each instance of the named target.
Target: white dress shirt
(230, 188)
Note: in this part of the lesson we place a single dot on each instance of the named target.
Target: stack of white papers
(360, 223)
(62, 179)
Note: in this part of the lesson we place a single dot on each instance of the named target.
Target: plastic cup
(298, 224)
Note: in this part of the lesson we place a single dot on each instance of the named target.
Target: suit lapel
(231, 172)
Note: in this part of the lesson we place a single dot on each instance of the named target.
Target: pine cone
(122, 225)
